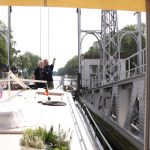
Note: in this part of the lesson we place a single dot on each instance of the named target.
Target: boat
(142, 5)
(30, 108)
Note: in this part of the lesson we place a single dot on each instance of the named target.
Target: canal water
(59, 81)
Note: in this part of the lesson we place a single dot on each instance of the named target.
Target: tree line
(27, 62)
(128, 47)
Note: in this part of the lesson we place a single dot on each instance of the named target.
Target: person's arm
(54, 61)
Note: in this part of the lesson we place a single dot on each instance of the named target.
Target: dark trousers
(40, 85)
(50, 84)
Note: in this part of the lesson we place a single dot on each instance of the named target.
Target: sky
(56, 34)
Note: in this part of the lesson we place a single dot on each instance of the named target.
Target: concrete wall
(86, 70)
(125, 92)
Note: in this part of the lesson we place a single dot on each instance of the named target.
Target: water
(59, 81)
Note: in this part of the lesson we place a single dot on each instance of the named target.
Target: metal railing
(97, 131)
(131, 69)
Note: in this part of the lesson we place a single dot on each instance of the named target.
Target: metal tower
(110, 48)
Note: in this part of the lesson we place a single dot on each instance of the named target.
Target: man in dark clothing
(48, 71)
(38, 74)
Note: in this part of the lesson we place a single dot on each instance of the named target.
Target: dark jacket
(39, 75)
(48, 72)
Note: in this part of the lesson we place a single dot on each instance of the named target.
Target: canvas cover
(132, 5)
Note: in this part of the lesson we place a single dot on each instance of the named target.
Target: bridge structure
(116, 92)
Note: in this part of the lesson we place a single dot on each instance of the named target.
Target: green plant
(41, 138)
(50, 136)
(63, 139)
(31, 138)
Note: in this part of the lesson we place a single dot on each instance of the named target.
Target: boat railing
(97, 131)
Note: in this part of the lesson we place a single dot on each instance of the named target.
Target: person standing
(48, 72)
(38, 74)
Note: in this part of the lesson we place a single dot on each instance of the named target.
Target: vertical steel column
(147, 97)
(79, 37)
(139, 38)
(9, 45)
(8, 34)
(79, 48)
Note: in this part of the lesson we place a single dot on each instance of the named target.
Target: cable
(48, 34)
(40, 32)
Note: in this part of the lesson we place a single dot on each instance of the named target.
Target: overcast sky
(63, 44)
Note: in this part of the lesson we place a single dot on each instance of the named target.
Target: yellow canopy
(132, 5)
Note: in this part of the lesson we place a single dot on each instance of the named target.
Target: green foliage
(93, 52)
(71, 68)
(129, 28)
(50, 137)
(32, 138)
(128, 44)
(28, 62)
(63, 139)
(128, 47)
(3, 48)
(61, 71)
(41, 138)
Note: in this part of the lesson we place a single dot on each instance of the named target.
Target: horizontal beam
(131, 5)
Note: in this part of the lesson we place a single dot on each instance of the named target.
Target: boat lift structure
(115, 77)
(110, 72)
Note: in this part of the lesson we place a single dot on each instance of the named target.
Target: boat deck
(24, 107)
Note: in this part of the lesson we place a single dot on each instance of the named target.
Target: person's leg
(36, 85)
(50, 85)
(43, 85)
(40, 85)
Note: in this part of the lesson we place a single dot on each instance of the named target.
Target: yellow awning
(132, 5)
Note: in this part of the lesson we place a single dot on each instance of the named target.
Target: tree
(3, 47)
(28, 62)
(71, 68)
(128, 44)
(93, 52)
(61, 71)
(128, 47)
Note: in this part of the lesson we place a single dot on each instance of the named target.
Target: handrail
(79, 134)
(126, 74)
(96, 129)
